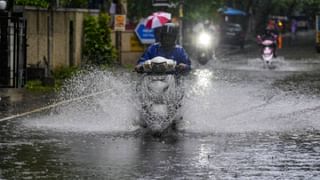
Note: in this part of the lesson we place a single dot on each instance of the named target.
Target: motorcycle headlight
(204, 39)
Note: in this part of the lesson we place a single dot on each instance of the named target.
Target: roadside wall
(67, 30)
(131, 48)
(67, 37)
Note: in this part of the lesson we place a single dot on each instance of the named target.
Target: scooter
(267, 51)
(160, 95)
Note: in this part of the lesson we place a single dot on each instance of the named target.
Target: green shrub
(37, 86)
(60, 74)
(37, 3)
(98, 49)
(45, 3)
(64, 72)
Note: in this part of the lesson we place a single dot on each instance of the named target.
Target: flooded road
(241, 121)
(252, 155)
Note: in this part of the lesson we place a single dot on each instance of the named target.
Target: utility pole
(181, 2)
(48, 79)
(49, 39)
(120, 10)
(4, 51)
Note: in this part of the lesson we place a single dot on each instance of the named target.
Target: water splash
(214, 101)
(109, 106)
(214, 105)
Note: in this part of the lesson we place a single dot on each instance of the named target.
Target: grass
(59, 75)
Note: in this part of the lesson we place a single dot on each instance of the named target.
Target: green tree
(260, 10)
(139, 8)
(37, 3)
(205, 9)
(74, 3)
(46, 3)
(98, 47)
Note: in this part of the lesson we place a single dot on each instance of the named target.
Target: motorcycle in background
(203, 42)
(267, 50)
(204, 50)
(160, 95)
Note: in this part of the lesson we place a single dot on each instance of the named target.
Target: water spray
(50, 106)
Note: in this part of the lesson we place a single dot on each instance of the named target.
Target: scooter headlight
(204, 39)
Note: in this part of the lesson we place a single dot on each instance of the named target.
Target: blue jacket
(177, 54)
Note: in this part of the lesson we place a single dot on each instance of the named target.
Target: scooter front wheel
(203, 59)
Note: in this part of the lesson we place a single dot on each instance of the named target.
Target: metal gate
(12, 50)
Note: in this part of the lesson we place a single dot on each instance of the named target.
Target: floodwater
(241, 121)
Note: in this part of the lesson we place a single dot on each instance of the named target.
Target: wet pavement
(29, 154)
(16, 101)
(241, 121)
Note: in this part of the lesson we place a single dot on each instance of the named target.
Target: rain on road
(241, 121)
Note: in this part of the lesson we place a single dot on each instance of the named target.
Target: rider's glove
(181, 67)
(139, 68)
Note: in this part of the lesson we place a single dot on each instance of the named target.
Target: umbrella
(232, 11)
(157, 19)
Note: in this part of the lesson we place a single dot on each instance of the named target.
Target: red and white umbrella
(157, 19)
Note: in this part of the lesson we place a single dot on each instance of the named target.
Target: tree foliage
(98, 47)
(139, 8)
(74, 3)
(37, 3)
(206, 9)
(46, 3)
(261, 10)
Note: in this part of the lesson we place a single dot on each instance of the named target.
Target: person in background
(269, 34)
(294, 25)
(206, 25)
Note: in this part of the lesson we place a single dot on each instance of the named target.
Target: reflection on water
(203, 81)
(269, 155)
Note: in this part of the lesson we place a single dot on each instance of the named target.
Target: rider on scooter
(167, 48)
(269, 34)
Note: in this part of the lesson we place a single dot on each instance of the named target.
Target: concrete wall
(64, 21)
(131, 49)
(67, 28)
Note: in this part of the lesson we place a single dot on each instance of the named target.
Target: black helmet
(168, 35)
(268, 31)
